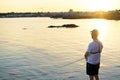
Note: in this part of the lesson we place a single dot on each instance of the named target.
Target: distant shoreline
(110, 15)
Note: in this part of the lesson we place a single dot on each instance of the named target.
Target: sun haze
(57, 5)
(104, 5)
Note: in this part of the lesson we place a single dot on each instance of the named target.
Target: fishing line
(71, 63)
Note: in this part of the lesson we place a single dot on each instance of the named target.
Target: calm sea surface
(31, 51)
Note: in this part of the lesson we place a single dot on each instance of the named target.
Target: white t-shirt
(94, 47)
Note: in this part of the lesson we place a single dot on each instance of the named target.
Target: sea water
(29, 50)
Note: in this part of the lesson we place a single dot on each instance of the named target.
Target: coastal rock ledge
(64, 26)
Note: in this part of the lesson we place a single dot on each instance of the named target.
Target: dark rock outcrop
(65, 26)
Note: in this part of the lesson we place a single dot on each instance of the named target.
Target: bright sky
(57, 5)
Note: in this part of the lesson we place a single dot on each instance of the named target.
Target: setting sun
(57, 5)
(104, 5)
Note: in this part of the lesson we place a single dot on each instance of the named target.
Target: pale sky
(57, 5)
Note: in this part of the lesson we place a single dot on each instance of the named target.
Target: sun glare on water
(102, 26)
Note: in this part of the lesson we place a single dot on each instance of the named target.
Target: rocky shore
(64, 26)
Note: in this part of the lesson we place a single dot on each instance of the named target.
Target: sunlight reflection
(101, 25)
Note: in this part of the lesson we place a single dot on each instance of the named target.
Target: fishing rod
(71, 62)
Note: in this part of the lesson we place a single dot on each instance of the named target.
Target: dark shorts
(92, 69)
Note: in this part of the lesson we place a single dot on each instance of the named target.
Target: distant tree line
(115, 14)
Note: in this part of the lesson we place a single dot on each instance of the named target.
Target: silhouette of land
(111, 15)
(64, 26)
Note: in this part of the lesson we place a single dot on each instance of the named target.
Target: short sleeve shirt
(94, 47)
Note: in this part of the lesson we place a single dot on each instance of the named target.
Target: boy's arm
(86, 55)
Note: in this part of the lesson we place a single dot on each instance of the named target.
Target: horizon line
(59, 11)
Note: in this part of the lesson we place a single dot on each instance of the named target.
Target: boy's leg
(91, 77)
(96, 77)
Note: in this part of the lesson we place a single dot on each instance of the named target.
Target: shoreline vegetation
(110, 15)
